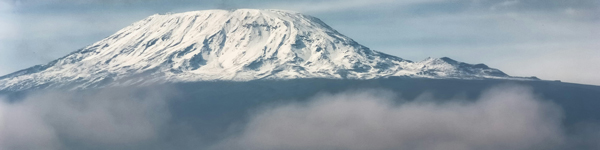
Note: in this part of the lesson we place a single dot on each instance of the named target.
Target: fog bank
(503, 117)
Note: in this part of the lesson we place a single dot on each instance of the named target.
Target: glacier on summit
(231, 45)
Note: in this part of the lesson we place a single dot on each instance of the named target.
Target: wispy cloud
(341, 5)
(507, 3)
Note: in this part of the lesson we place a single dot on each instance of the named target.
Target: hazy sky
(551, 39)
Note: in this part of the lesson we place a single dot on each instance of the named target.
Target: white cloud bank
(503, 118)
(60, 120)
(506, 117)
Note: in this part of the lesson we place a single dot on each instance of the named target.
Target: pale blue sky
(551, 39)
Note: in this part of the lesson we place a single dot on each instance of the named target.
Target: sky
(550, 39)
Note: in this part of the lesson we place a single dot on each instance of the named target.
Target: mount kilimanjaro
(217, 78)
(236, 45)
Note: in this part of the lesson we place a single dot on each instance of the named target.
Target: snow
(236, 45)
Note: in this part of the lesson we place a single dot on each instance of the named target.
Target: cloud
(504, 4)
(340, 5)
(5, 6)
(21, 128)
(61, 120)
(503, 118)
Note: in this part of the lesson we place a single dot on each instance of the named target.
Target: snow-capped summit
(239, 45)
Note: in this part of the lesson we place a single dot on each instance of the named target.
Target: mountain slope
(237, 45)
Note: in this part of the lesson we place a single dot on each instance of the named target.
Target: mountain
(235, 45)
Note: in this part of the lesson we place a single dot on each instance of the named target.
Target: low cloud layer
(505, 117)
(58, 120)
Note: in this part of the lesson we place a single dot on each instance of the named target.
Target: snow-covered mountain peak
(223, 40)
(239, 45)
(449, 67)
